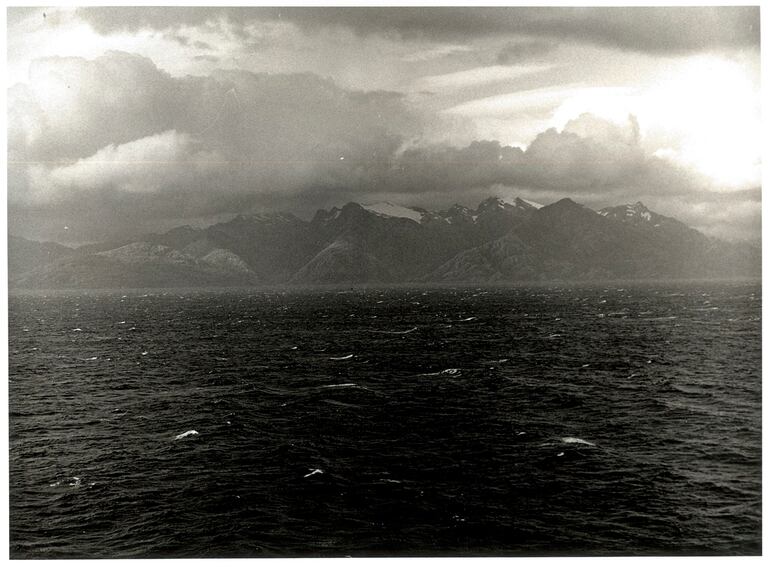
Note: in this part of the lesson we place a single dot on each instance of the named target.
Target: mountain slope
(139, 264)
(25, 255)
(498, 241)
(568, 241)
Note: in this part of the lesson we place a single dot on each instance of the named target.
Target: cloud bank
(112, 145)
(647, 29)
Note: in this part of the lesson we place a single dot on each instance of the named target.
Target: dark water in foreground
(466, 422)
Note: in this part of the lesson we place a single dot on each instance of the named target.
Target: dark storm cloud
(647, 29)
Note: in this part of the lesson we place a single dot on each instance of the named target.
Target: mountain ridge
(384, 243)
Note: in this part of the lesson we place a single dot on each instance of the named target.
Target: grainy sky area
(123, 120)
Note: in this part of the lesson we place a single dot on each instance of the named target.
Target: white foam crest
(412, 330)
(185, 434)
(577, 440)
(348, 357)
(445, 372)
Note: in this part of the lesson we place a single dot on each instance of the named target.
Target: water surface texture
(565, 420)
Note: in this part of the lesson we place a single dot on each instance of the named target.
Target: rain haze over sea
(550, 420)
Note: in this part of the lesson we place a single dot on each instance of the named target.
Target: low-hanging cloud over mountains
(108, 145)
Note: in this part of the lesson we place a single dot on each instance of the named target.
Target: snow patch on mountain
(532, 203)
(386, 209)
(519, 202)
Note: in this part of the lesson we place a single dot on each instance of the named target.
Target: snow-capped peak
(386, 209)
(635, 212)
(638, 210)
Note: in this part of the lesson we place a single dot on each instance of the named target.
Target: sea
(551, 420)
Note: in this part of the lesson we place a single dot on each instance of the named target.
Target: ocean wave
(185, 434)
(445, 372)
(413, 329)
(577, 440)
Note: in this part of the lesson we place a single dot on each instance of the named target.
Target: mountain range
(499, 241)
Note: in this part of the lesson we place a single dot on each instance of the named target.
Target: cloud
(437, 52)
(477, 76)
(520, 51)
(646, 29)
(113, 145)
(147, 165)
(71, 107)
(608, 160)
(117, 133)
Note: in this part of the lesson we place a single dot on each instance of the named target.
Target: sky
(130, 120)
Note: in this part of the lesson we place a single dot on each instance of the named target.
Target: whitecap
(348, 385)
(314, 471)
(445, 372)
(466, 319)
(348, 357)
(92, 358)
(577, 440)
(77, 329)
(185, 434)
(413, 329)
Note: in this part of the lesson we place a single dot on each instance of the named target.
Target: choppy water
(386, 422)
